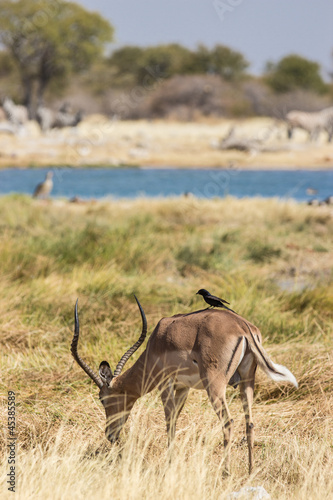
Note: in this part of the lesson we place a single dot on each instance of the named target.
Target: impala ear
(105, 372)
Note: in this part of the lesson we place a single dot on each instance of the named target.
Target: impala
(205, 349)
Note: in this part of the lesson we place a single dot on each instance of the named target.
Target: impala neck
(136, 381)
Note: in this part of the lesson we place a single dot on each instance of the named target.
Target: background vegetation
(49, 41)
(272, 260)
(55, 50)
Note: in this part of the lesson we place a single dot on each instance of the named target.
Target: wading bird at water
(43, 189)
(205, 349)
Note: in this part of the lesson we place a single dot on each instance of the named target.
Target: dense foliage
(55, 48)
(168, 60)
(294, 72)
(50, 40)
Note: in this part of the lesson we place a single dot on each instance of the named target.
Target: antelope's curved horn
(135, 346)
(76, 356)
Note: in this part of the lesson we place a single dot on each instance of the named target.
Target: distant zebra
(328, 112)
(15, 114)
(63, 119)
(313, 123)
(47, 118)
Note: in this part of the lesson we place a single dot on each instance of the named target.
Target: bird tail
(229, 309)
(278, 373)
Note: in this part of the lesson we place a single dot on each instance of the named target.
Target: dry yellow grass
(163, 250)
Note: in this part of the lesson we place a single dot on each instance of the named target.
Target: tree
(126, 63)
(7, 65)
(200, 61)
(145, 64)
(228, 63)
(50, 39)
(294, 72)
(221, 60)
(163, 61)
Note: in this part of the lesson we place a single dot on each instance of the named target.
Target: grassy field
(272, 260)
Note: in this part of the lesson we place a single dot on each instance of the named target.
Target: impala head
(116, 401)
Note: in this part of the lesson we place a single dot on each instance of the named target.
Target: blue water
(134, 182)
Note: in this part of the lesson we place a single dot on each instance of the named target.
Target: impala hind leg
(246, 392)
(217, 395)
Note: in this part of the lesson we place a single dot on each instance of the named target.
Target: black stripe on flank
(257, 344)
(270, 367)
(233, 354)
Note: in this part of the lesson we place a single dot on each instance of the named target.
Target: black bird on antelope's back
(211, 299)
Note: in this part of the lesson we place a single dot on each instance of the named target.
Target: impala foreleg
(173, 403)
(180, 400)
(169, 405)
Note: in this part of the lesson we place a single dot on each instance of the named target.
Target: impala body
(205, 349)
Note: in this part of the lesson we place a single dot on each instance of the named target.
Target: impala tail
(278, 373)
